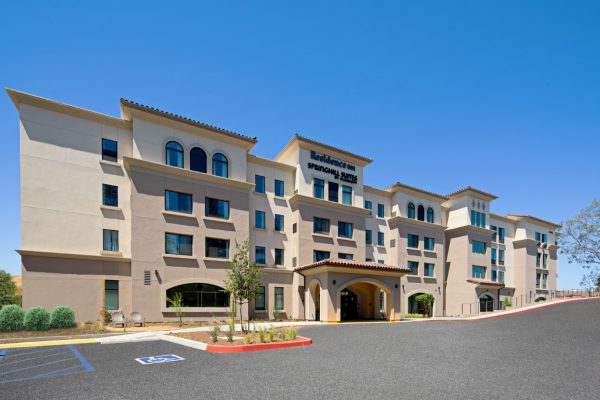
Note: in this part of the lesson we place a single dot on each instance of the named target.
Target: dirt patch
(49, 333)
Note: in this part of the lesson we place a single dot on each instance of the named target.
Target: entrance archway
(313, 305)
(486, 303)
(365, 298)
(414, 307)
(349, 305)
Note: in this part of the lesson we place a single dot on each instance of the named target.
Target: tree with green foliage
(176, 301)
(8, 289)
(243, 279)
(426, 301)
(580, 241)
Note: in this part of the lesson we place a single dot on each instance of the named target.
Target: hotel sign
(335, 172)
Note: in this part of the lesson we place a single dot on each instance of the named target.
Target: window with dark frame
(109, 150)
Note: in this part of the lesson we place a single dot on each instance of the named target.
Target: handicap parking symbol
(159, 359)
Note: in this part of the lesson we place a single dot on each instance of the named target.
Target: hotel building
(122, 212)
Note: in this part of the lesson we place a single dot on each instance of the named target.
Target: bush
(262, 335)
(293, 333)
(249, 339)
(37, 319)
(62, 317)
(214, 334)
(11, 318)
(272, 334)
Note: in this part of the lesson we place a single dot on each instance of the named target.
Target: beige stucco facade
(63, 217)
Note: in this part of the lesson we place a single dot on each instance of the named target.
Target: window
(413, 241)
(345, 230)
(294, 227)
(430, 215)
(494, 256)
(333, 191)
(279, 188)
(494, 275)
(368, 259)
(110, 195)
(319, 255)
(321, 225)
(259, 299)
(111, 295)
(110, 240)
(279, 226)
(279, 257)
(178, 202)
(318, 188)
(217, 248)
(501, 256)
(346, 195)
(537, 259)
(428, 269)
(345, 256)
(478, 247)
(217, 208)
(501, 235)
(380, 261)
(368, 236)
(259, 183)
(537, 280)
(178, 244)
(538, 237)
(109, 150)
(414, 267)
(279, 298)
(380, 211)
(478, 272)
(220, 165)
(380, 239)
(500, 276)
(369, 206)
(428, 243)
(260, 219)
(545, 260)
(411, 211)
(200, 295)
(198, 160)
(544, 238)
(421, 213)
(477, 218)
(544, 280)
(495, 235)
(174, 155)
(260, 256)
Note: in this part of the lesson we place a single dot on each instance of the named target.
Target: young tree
(426, 300)
(176, 301)
(580, 242)
(8, 289)
(243, 279)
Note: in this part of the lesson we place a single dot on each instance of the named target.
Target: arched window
(174, 155)
(411, 211)
(198, 160)
(430, 215)
(200, 295)
(421, 213)
(220, 165)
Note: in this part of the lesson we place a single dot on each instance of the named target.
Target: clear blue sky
(503, 96)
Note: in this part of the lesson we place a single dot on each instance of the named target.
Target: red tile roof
(340, 262)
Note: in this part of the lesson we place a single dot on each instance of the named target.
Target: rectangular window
(483, 224)
(321, 225)
(413, 241)
(259, 257)
(538, 276)
(111, 295)
(428, 243)
(380, 261)
(501, 235)
(346, 195)
(318, 188)
(109, 150)
(478, 272)
(544, 238)
(495, 235)
(380, 239)
(279, 188)
(319, 255)
(501, 256)
(259, 299)
(279, 225)
(178, 244)
(538, 258)
(477, 218)
(345, 256)
(345, 230)
(178, 202)
(260, 219)
(428, 269)
(333, 191)
(545, 260)
(478, 247)
(279, 257)
(414, 267)
(380, 210)
(217, 248)
(110, 195)
(473, 219)
(544, 281)
(369, 206)
(110, 240)
(494, 275)
(494, 256)
(538, 237)
(217, 208)
(369, 236)
(259, 183)
(279, 298)
(500, 276)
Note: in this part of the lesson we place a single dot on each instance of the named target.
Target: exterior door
(349, 305)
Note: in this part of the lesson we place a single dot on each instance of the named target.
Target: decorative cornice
(471, 190)
(548, 224)
(414, 222)
(74, 256)
(270, 163)
(298, 139)
(421, 192)
(470, 228)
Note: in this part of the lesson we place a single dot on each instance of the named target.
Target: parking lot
(551, 353)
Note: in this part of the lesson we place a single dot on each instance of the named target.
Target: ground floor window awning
(485, 283)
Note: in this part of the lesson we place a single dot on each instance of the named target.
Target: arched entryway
(349, 305)
(365, 299)
(486, 303)
(419, 307)
(313, 307)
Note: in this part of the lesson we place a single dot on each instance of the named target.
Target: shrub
(249, 339)
(214, 334)
(507, 302)
(37, 319)
(283, 334)
(230, 335)
(262, 335)
(272, 334)
(11, 318)
(293, 333)
(62, 317)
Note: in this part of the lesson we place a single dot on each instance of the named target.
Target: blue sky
(503, 96)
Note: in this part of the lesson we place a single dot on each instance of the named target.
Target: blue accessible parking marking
(159, 359)
(17, 365)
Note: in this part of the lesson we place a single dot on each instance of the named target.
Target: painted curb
(46, 343)
(211, 348)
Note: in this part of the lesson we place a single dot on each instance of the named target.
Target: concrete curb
(184, 342)
(46, 343)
